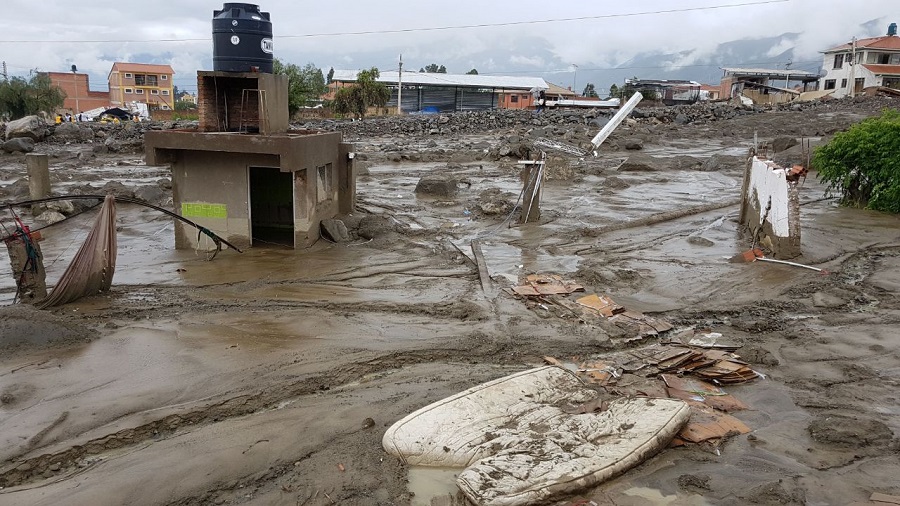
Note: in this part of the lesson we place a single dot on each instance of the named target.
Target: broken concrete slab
(770, 208)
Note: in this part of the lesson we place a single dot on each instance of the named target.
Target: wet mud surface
(269, 377)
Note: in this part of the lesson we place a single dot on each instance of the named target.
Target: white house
(877, 63)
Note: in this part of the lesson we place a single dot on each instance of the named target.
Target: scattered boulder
(782, 143)
(65, 207)
(50, 217)
(117, 189)
(639, 163)
(615, 183)
(437, 185)
(717, 163)
(633, 143)
(153, 194)
(697, 240)
(682, 119)
(72, 132)
(373, 226)
(18, 145)
(31, 127)
(334, 230)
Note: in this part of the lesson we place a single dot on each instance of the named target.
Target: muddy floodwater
(270, 377)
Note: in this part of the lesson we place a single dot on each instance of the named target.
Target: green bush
(863, 163)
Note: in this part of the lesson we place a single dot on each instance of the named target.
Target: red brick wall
(224, 113)
(77, 90)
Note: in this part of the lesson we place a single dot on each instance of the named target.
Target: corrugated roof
(144, 68)
(883, 69)
(555, 89)
(770, 72)
(435, 79)
(883, 42)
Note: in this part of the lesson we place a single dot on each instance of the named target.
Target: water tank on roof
(242, 39)
(892, 29)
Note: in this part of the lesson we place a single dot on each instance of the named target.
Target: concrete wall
(209, 174)
(771, 208)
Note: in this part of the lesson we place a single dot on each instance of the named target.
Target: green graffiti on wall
(203, 210)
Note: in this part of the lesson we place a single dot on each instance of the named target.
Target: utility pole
(400, 88)
(852, 82)
(574, 79)
(75, 78)
(787, 77)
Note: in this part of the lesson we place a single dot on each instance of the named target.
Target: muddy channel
(269, 377)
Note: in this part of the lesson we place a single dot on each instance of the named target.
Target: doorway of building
(271, 207)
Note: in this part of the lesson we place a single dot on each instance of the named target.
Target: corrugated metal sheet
(475, 100)
(462, 80)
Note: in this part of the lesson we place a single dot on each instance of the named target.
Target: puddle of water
(655, 497)
(428, 483)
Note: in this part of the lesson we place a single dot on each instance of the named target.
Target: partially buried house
(243, 174)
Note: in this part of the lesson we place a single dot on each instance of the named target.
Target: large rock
(639, 163)
(437, 185)
(334, 230)
(634, 143)
(50, 217)
(18, 145)
(782, 143)
(31, 127)
(73, 132)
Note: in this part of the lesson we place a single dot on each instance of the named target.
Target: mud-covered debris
(18, 145)
(640, 162)
(536, 285)
(633, 143)
(437, 185)
(334, 230)
(850, 432)
(697, 240)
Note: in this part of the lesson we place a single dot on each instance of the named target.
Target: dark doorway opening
(271, 207)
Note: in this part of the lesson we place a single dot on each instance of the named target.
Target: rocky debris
(696, 483)
(334, 230)
(633, 143)
(697, 240)
(717, 163)
(151, 193)
(783, 143)
(117, 189)
(72, 132)
(50, 217)
(775, 493)
(558, 168)
(640, 162)
(850, 432)
(376, 226)
(437, 185)
(494, 201)
(18, 145)
(31, 127)
(615, 183)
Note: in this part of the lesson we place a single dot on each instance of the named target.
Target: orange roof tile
(144, 68)
(883, 69)
(883, 42)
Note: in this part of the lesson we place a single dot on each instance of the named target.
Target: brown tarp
(92, 269)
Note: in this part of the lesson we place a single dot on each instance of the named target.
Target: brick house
(142, 82)
(77, 88)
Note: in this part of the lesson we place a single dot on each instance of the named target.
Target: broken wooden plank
(486, 283)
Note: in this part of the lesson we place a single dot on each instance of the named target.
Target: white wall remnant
(770, 208)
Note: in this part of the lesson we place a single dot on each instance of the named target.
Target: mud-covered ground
(269, 377)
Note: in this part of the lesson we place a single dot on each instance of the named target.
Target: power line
(434, 28)
(638, 67)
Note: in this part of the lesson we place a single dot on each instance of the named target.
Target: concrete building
(667, 91)
(862, 64)
(765, 86)
(141, 82)
(710, 92)
(77, 88)
(437, 92)
(244, 175)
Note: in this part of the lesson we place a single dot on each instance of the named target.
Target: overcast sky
(28, 29)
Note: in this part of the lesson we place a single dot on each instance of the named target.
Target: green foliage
(473, 72)
(305, 84)
(614, 91)
(589, 90)
(183, 105)
(863, 163)
(20, 97)
(357, 98)
(330, 76)
(434, 68)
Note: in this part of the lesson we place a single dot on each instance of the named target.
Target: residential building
(710, 92)
(862, 64)
(77, 88)
(765, 86)
(667, 91)
(141, 82)
(187, 98)
(427, 91)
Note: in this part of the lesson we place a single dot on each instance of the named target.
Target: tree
(175, 91)
(472, 72)
(21, 97)
(330, 76)
(305, 84)
(434, 68)
(863, 163)
(184, 105)
(613, 90)
(366, 92)
(589, 90)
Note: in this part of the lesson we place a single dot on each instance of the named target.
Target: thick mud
(269, 377)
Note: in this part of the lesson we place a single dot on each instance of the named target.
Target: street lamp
(574, 78)
(75, 79)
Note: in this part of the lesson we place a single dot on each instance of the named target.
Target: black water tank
(242, 39)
